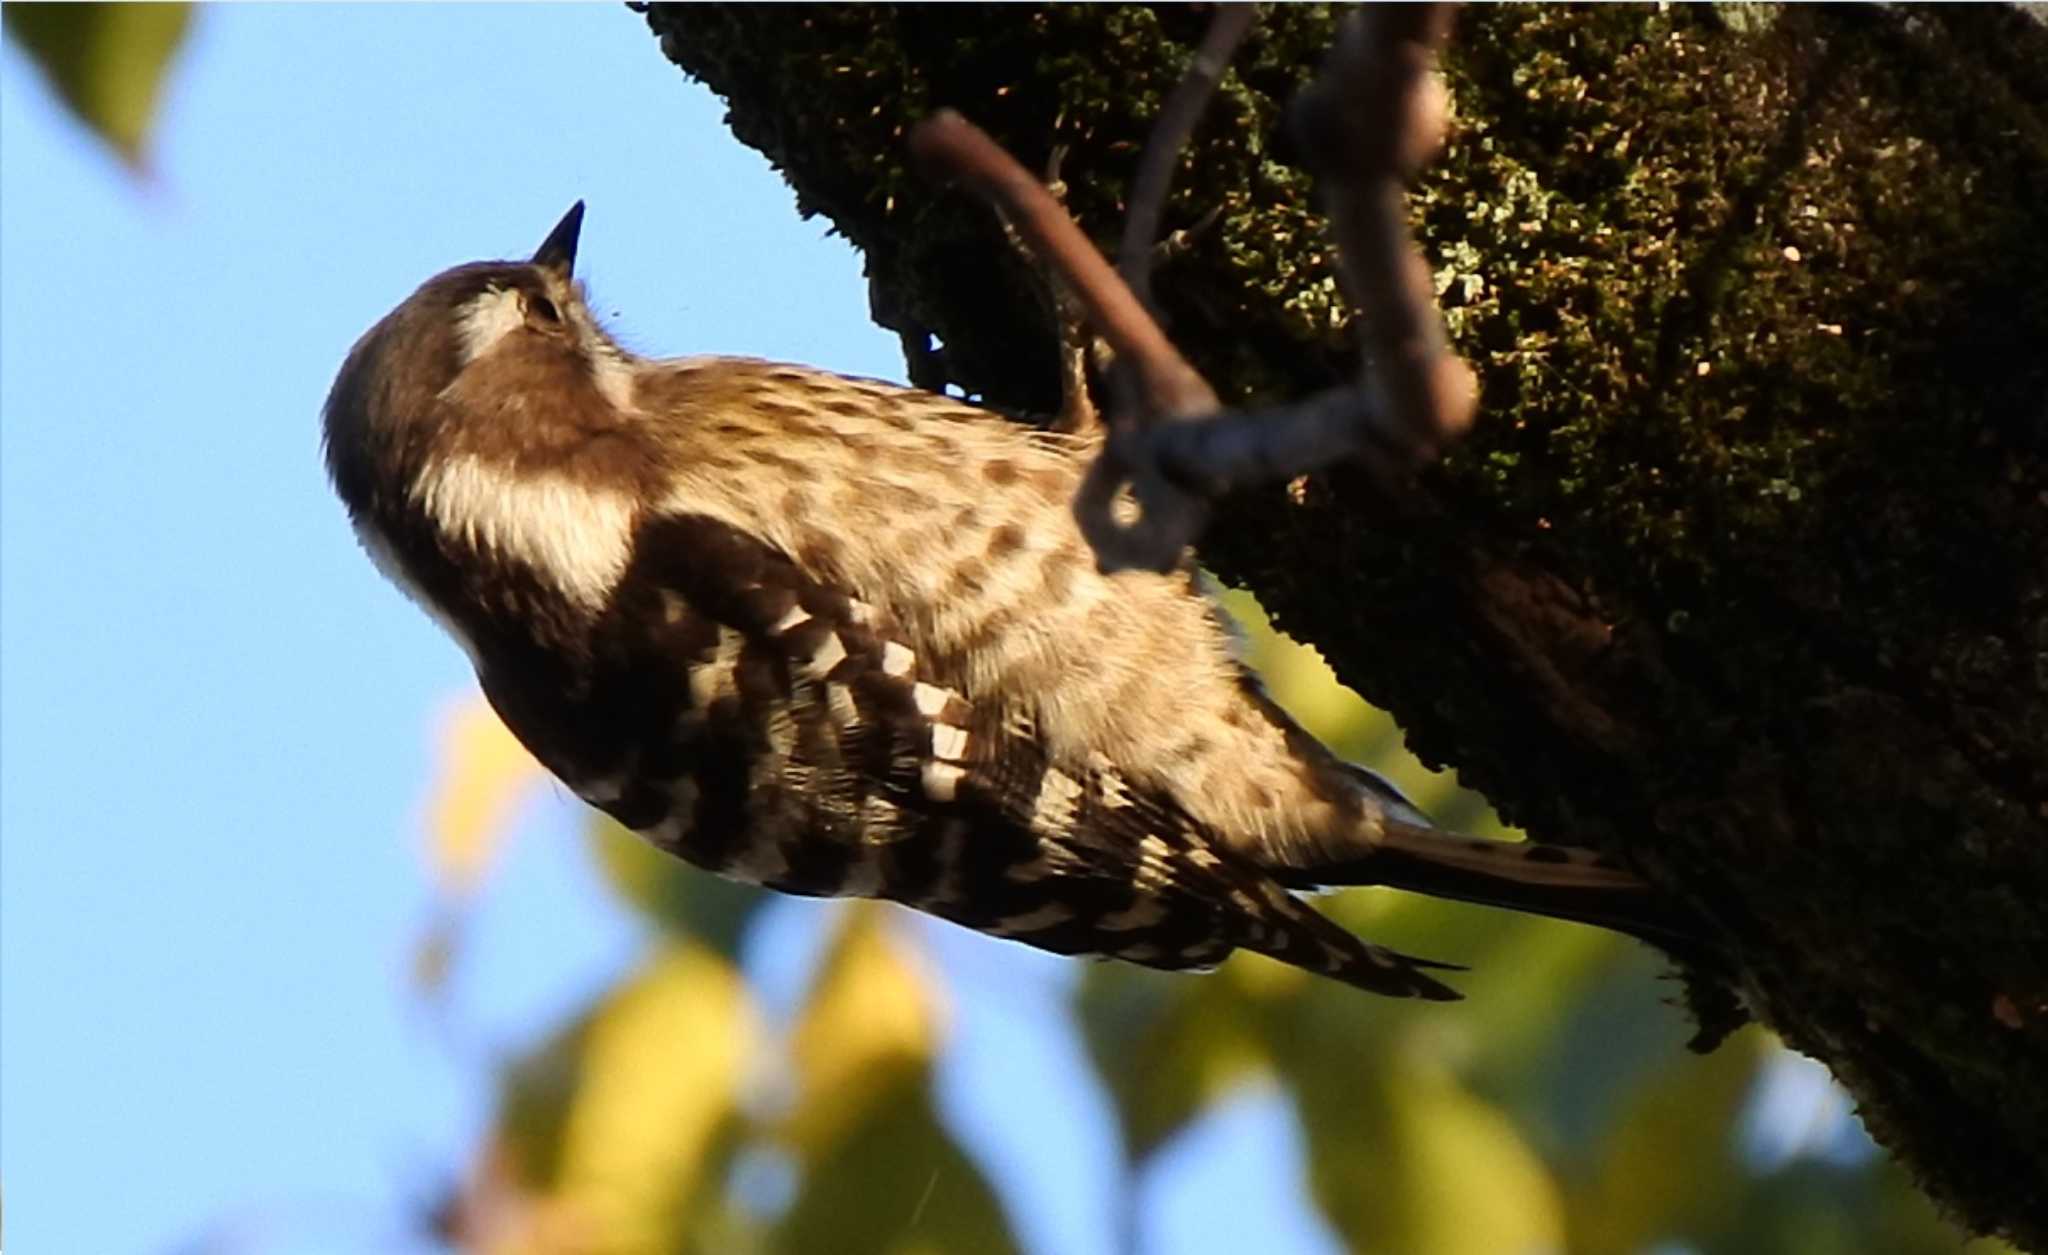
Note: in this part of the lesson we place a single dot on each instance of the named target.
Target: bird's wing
(815, 753)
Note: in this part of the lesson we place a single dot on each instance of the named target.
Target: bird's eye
(545, 308)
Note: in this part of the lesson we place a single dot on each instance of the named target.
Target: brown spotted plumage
(839, 637)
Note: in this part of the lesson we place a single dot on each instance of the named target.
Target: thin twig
(951, 143)
(1371, 118)
(1176, 121)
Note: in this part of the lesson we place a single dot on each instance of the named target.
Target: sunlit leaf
(483, 775)
(870, 1022)
(678, 898)
(880, 1174)
(105, 61)
(621, 1128)
(1404, 1158)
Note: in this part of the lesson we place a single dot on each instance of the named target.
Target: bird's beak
(558, 251)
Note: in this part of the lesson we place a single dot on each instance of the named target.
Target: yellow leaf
(105, 61)
(879, 1174)
(621, 1129)
(483, 775)
(870, 1022)
(1408, 1160)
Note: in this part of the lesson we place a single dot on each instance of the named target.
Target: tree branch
(1742, 577)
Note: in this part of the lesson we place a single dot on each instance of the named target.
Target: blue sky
(216, 722)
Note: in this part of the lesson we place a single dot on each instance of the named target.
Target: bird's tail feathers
(1559, 881)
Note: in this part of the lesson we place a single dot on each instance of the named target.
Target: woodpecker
(840, 637)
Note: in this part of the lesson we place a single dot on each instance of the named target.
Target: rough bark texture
(1745, 571)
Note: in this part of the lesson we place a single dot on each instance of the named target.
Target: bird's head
(493, 358)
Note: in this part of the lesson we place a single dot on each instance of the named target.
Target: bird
(840, 637)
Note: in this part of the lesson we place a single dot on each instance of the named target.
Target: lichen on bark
(1741, 573)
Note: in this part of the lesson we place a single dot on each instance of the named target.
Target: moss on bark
(1742, 573)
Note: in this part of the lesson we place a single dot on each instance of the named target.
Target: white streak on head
(896, 660)
(612, 373)
(930, 699)
(575, 536)
(484, 320)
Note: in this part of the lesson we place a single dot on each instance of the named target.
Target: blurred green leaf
(868, 1024)
(1166, 1046)
(1668, 1167)
(880, 1175)
(1571, 1068)
(621, 1129)
(681, 900)
(1529, 978)
(1813, 1207)
(105, 61)
(1404, 1159)
(895, 1184)
(1901, 1210)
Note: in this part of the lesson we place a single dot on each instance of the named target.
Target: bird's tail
(1554, 880)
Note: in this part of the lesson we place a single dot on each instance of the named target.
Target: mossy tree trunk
(1744, 572)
